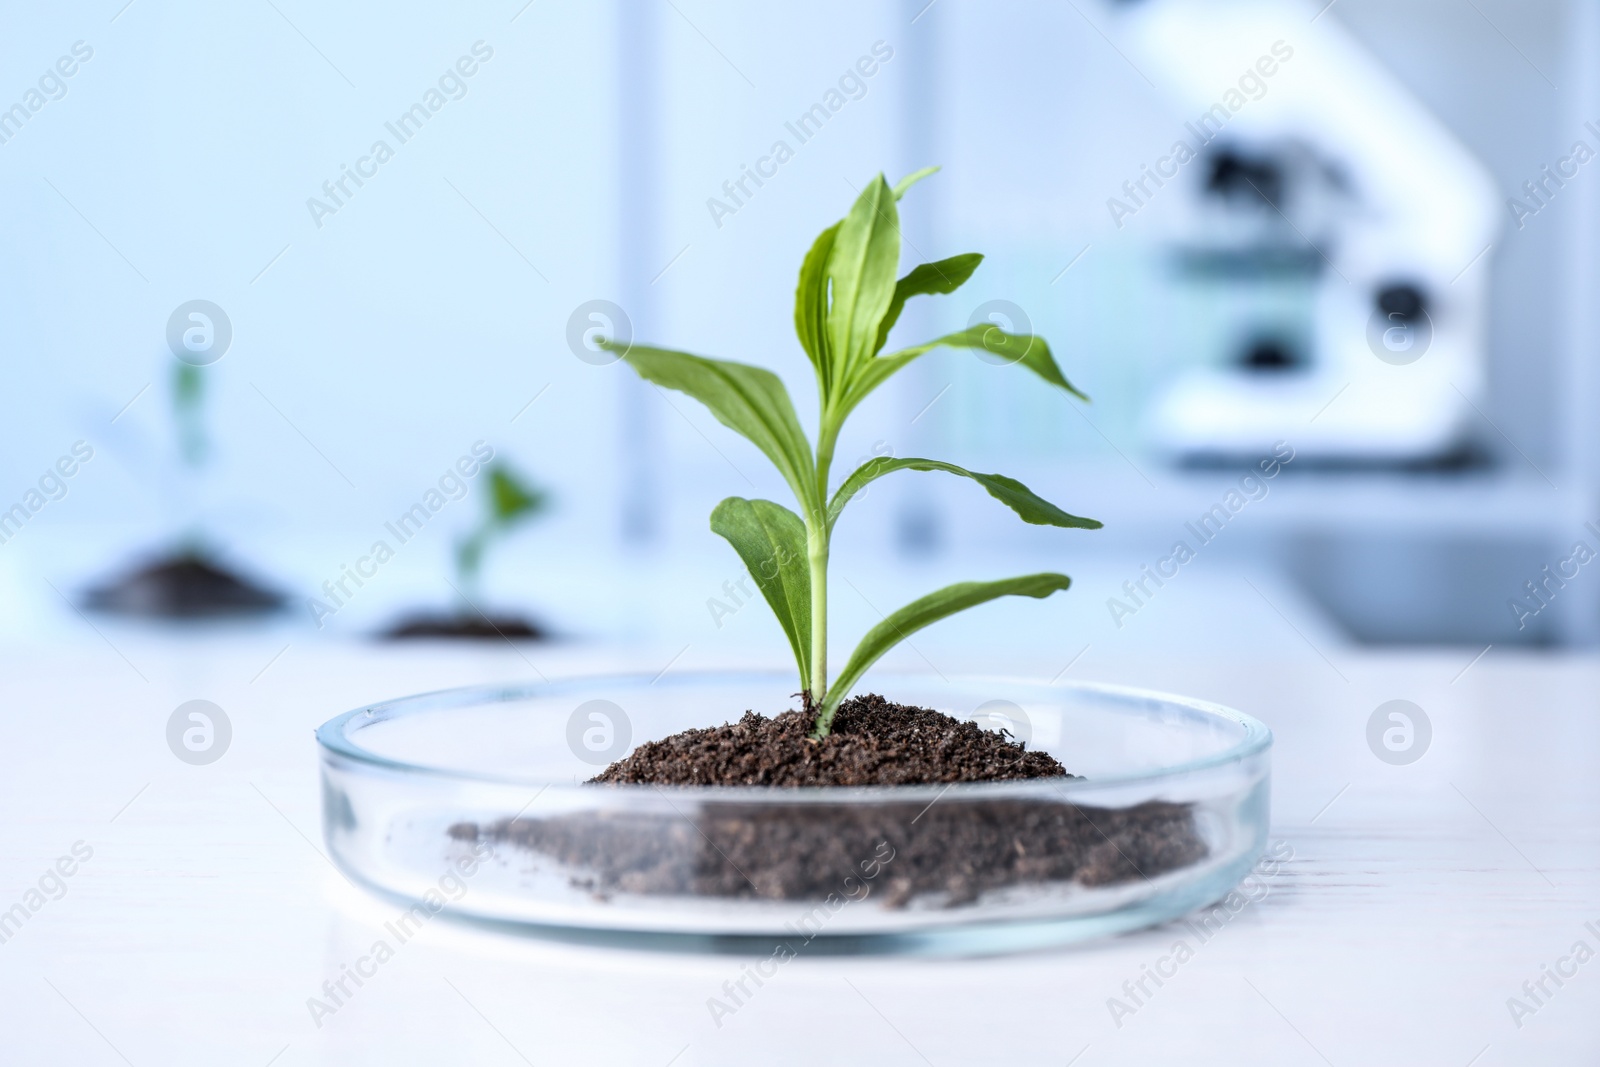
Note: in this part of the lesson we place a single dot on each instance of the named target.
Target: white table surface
(1418, 900)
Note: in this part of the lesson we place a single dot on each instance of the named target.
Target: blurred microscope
(1333, 232)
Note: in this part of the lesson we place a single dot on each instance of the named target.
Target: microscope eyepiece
(1403, 300)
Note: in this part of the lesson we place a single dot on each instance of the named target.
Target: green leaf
(746, 399)
(926, 279)
(771, 540)
(919, 613)
(901, 186)
(811, 304)
(510, 501)
(510, 498)
(1010, 492)
(1027, 349)
(861, 268)
(188, 386)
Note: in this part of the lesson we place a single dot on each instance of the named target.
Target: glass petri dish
(473, 803)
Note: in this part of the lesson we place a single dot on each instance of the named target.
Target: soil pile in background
(188, 585)
(469, 627)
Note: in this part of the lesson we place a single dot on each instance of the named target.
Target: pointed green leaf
(861, 267)
(901, 186)
(510, 498)
(771, 540)
(1010, 492)
(811, 303)
(926, 279)
(747, 399)
(510, 501)
(919, 613)
(1027, 349)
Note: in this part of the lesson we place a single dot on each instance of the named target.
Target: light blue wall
(433, 306)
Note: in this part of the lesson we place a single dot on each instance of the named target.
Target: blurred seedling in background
(188, 579)
(188, 414)
(509, 502)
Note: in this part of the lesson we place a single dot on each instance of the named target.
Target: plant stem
(817, 538)
(817, 555)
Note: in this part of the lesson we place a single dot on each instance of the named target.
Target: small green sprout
(508, 503)
(188, 401)
(847, 301)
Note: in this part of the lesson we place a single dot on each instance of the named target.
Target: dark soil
(939, 851)
(873, 742)
(473, 627)
(188, 585)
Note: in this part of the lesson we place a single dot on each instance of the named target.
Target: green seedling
(848, 300)
(509, 502)
(188, 402)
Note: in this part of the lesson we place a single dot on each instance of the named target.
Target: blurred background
(1340, 343)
